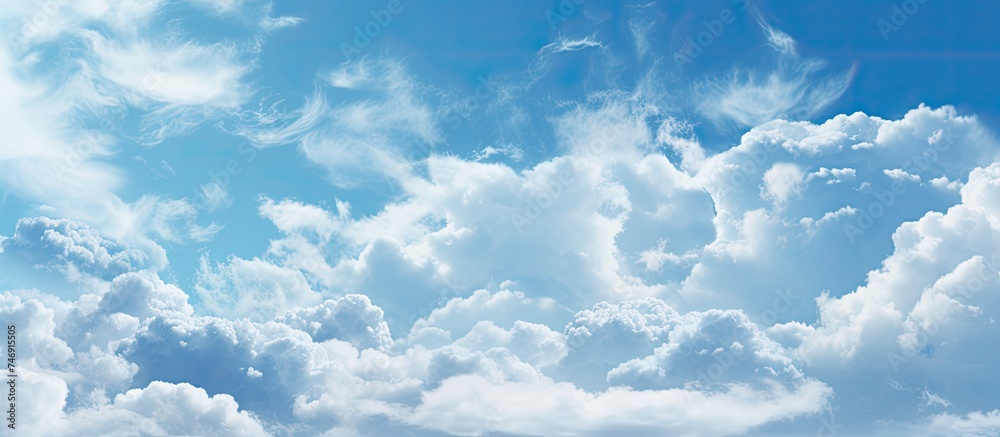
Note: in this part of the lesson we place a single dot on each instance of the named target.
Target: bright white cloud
(187, 75)
(351, 318)
(504, 308)
(783, 181)
(468, 405)
(164, 409)
(901, 175)
(710, 349)
(73, 248)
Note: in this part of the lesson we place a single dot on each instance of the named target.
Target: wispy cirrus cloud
(360, 139)
(107, 64)
(793, 87)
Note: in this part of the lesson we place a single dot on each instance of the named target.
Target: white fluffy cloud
(756, 238)
(73, 248)
(470, 405)
(164, 409)
(783, 181)
(941, 274)
(713, 348)
(352, 318)
(143, 295)
(334, 366)
(608, 335)
(503, 308)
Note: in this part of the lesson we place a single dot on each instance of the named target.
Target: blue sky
(727, 217)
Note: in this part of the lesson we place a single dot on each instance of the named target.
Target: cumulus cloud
(608, 335)
(854, 216)
(137, 355)
(942, 183)
(164, 409)
(930, 282)
(37, 326)
(554, 199)
(72, 248)
(901, 175)
(423, 238)
(503, 308)
(641, 344)
(710, 349)
(352, 318)
(143, 295)
(833, 175)
(751, 209)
